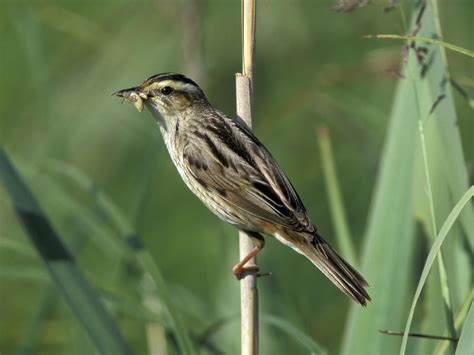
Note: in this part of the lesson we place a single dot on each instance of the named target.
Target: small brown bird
(235, 176)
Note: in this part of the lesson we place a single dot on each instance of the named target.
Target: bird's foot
(240, 271)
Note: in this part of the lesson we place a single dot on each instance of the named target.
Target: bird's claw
(261, 274)
(241, 272)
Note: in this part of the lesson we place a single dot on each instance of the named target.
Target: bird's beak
(133, 95)
(126, 92)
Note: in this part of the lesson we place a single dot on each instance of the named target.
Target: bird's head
(166, 95)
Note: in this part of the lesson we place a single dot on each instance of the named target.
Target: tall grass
(157, 264)
(422, 177)
(81, 297)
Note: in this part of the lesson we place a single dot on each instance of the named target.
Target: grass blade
(426, 40)
(338, 213)
(302, 338)
(466, 341)
(81, 297)
(109, 209)
(441, 177)
(389, 236)
(460, 316)
(431, 257)
(423, 94)
(47, 301)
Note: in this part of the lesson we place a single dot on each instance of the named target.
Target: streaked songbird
(235, 176)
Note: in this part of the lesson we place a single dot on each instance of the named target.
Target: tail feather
(336, 269)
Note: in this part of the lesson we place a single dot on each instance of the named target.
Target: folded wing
(230, 162)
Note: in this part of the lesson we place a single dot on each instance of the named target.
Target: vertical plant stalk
(338, 213)
(434, 251)
(440, 259)
(442, 273)
(459, 319)
(244, 97)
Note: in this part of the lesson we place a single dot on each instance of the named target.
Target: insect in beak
(134, 96)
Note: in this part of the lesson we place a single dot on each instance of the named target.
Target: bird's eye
(166, 90)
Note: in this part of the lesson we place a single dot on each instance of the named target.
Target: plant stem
(244, 92)
(338, 213)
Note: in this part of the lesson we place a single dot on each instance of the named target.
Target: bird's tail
(336, 269)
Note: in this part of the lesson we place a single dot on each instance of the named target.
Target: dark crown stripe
(171, 76)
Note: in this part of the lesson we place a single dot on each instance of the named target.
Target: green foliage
(334, 196)
(466, 341)
(435, 249)
(300, 337)
(425, 174)
(102, 177)
(389, 243)
(428, 40)
(81, 297)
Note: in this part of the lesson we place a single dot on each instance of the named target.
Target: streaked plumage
(235, 176)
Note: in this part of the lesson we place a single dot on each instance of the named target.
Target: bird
(228, 168)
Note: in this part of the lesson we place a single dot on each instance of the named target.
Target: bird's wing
(229, 161)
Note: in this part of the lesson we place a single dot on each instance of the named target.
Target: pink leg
(239, 269)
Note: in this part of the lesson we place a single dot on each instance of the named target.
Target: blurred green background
(60, 62)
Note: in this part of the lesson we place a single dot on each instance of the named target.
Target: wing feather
(229, 160)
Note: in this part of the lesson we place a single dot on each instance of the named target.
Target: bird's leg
(239, 269)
